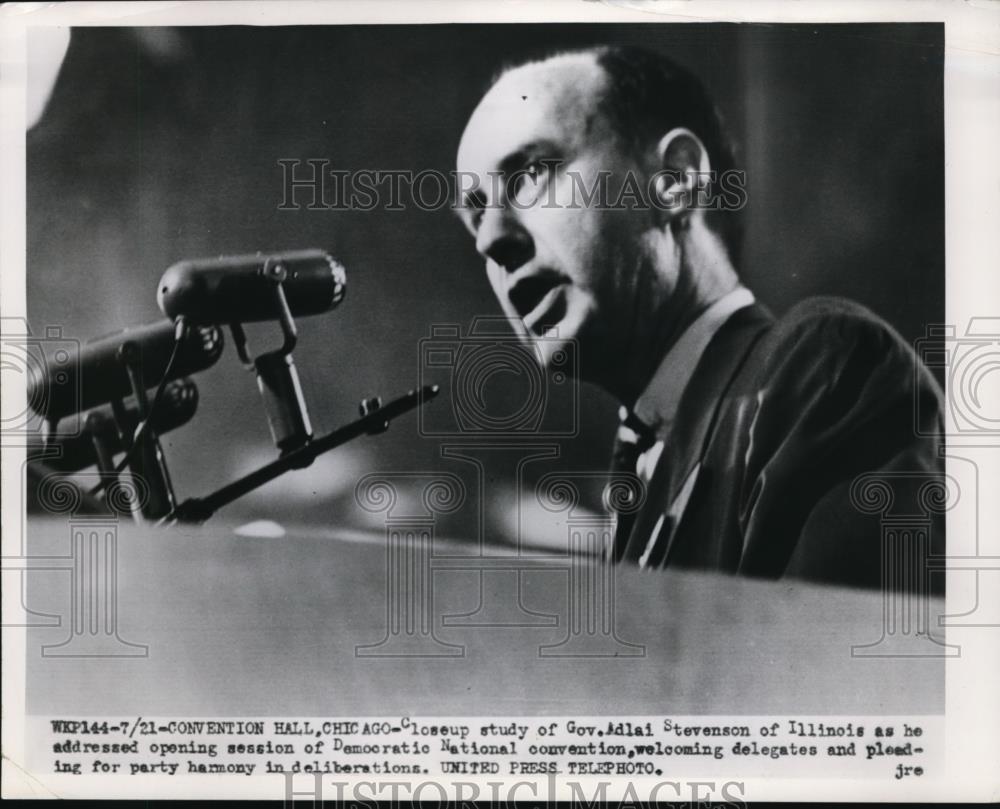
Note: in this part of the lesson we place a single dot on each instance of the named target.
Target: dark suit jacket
(775, 427)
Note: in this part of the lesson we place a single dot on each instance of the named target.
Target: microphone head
(71, 452)
(177, 406)
(95, 374)
(242, 289)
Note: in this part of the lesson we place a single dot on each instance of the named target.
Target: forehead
(553, 101)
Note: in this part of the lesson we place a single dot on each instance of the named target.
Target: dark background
(163, 144)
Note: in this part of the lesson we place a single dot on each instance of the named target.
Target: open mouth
(538, 300)
(549, 312)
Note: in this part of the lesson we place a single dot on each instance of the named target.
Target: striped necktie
(633, 439)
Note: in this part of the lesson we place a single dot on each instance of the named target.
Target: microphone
(71, 453)
(95, 373)
(241, 289)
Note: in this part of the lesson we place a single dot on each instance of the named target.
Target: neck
(705, 276)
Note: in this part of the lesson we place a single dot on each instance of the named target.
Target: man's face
(565, 269)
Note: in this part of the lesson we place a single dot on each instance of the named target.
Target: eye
(527, 183)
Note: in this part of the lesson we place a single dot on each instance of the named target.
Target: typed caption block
(893, 748)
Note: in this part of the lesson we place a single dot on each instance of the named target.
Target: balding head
(643, 94)
(557, 99)
(601, 276)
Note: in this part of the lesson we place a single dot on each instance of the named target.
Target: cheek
(598, 247)
(577, 240)
(610, 247)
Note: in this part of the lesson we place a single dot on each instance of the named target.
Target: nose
(503, 238)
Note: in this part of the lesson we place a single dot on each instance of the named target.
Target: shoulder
(838, 319)
(827, 357)
(824, 333)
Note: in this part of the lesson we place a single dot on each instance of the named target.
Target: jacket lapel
(655, 527)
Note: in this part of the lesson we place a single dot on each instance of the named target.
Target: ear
(684, 168)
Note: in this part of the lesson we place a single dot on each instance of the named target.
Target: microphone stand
(284, 406)
(277, 379)
(375, 419)
(102, 432)
(148, 464)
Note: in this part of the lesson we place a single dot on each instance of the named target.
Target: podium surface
(202, 621)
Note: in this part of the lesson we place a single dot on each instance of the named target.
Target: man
(749, 431)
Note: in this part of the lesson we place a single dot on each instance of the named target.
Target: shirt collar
(657, 405)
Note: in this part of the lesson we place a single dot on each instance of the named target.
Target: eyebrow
(516, 158)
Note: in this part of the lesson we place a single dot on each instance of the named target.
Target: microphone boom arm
(199, 509)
